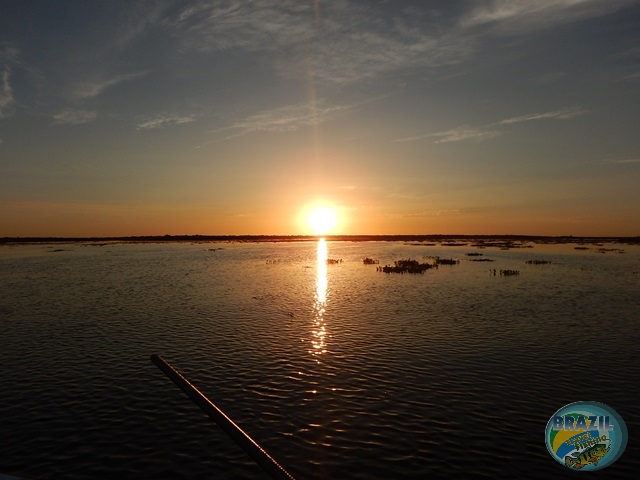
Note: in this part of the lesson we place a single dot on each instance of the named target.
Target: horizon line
(297, 237)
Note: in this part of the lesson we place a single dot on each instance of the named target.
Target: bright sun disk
(321, 220)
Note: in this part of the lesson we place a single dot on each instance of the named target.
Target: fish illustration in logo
(590, 455)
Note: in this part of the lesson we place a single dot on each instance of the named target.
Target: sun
(322, 220)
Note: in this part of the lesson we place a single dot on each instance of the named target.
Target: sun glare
(321, 220)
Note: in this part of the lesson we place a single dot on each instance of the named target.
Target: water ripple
(420, 377)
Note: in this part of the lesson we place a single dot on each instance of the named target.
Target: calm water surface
(339, 371)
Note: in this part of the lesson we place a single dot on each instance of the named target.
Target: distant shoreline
(485, 239)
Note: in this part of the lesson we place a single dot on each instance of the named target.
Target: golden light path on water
(319, 328)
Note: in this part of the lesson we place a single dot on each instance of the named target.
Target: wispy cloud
(346, 42)
(631, 77)
(6, 93)
(303, 40)
(414, 138)
(551, 77)
(465, 133)
(562, 114)
(90, 89)
(455, 135)
(448, 212)
(516, 16)
(489, 131)
(10, 63)
(74, 117)
(610, 161)
(8, 52)
(163, 121)
(138, 17)
(285, 119)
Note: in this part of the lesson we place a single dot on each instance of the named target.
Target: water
(339, 371)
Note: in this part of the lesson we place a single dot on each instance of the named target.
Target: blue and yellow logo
(586, 436)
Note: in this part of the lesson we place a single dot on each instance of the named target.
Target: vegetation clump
(509, 273)
(333, 261)
(370, 261)
(407, 266)
(605, 250)
(446, 261)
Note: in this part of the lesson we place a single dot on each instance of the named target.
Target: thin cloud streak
(413, 139)
(93, 89)
(344, 52)
(285, 119)
(517, 16)
(6, 93)
(621, 161)
(465, 133)
(452, 212)
(563, 114)
(333, 50)
(74, 117)
(632, 77)
(485, 133)
(163, 121)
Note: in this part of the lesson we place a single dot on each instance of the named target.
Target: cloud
(284, 119)
(517, 16)
(93, 89)
(9, 52)
(224, 25)
(562, 114)
(163, 121)
(136, 18)
(632, 77)
(413, 139)
(74, 117)
(451, 212)
(465, 133)
(341, 42)
(610, 161)
(488, 131)
(551, 77)
(6, 93)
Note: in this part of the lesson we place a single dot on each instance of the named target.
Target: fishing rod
(255, 451)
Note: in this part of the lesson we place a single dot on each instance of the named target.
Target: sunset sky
(238, 117)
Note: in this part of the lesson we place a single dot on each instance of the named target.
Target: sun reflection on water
(319, 328)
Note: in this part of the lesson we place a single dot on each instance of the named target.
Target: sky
(238, 117)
